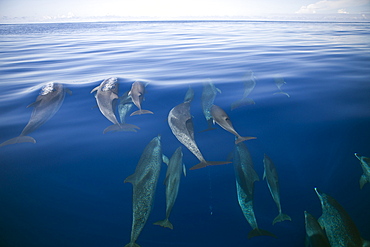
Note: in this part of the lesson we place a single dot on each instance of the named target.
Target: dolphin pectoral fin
(34, 104)
(18, 139)
(68, 91)
(121, 127)
(140, 112)
(363, 181)
(208, 129)
(284, 93)
(165, 159)
(164, 223)
(209, 163)
(244, 138)
(281, 217)
(184, 169)
(130, 179)
(259, 232)
(95, 89)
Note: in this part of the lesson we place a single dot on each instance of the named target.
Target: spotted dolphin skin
(105, 95)
(181, 124)
(137, 94)
(221, 118)
(172, 182)
(315, 235)
(208, 97)
(144, 182)
(272, 179)
(365, 164)
(46, 105)
(245, 177)
(338, 225)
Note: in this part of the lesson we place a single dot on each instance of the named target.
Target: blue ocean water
(68, 190)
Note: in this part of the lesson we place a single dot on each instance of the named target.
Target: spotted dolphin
(221, 118)
(315, 235)
(249, 81)
(172, 182)
(365, 164)
(279, 81)
(46, 105)
(144, 182)
(137, 94)
(208, 97)
(245, 177)
(338, 225)
(272, 179)
(106, 94)
(125, 105)
(181, 124)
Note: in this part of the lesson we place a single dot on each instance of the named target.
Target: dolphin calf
(208, 96)
(338, 225)
(144, 182)
(221, 118)
(46, 105)
(249, 82)
(315, 235)
(272, 179)
(106, 93)
(279, 81)
(181, 124)
(172, 182)
(125, 105)
(137, 94)
(365, 164)
(245, 178)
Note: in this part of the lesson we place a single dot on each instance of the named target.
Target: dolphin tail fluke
(132, 245)
(121, 127)
(281, 217)
(139, 112)
(164, 223)
(282, 93)
(208, 163)
(259, 232)
(244, 138)
(363, 181)
(242, 102)
(18, 139)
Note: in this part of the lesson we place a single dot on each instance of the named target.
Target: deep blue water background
(68, 190)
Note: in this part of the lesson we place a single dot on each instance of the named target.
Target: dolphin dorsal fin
(95, 89)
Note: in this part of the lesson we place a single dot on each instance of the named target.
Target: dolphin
(172, 182)
(221, 118)
(189, 96)
(315, 235)
(279, 81)
(137, 94)
(365, 164)
(208, 96)
(249, 82)
(124, 106)
(106, 93)
(272, 179)
(245, 178)
(181, 124)
(46, 105)
(144, 182)
(338, 225)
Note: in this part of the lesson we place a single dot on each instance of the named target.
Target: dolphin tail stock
(140, 112)
(164, 223)
(242, 102)
(363, 181)
(121, 127)
(18, 139)
(244, 138)
(281, 92)
(132, 244)
(209, 163)
(260, 232)
(281, 217)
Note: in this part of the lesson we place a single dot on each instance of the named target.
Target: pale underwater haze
(67, 189)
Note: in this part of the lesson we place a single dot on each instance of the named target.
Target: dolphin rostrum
(245, 178)
(315, 235)
(208, 97)
(106, 93)
(279, 81)
(365, 164)
(181, 124)
(124, 106)
(46, 105)
(249, 84)
(137, 94)
(272, 180)
(172, 182)
(221, 118)
(144, 182)
(338, 225)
